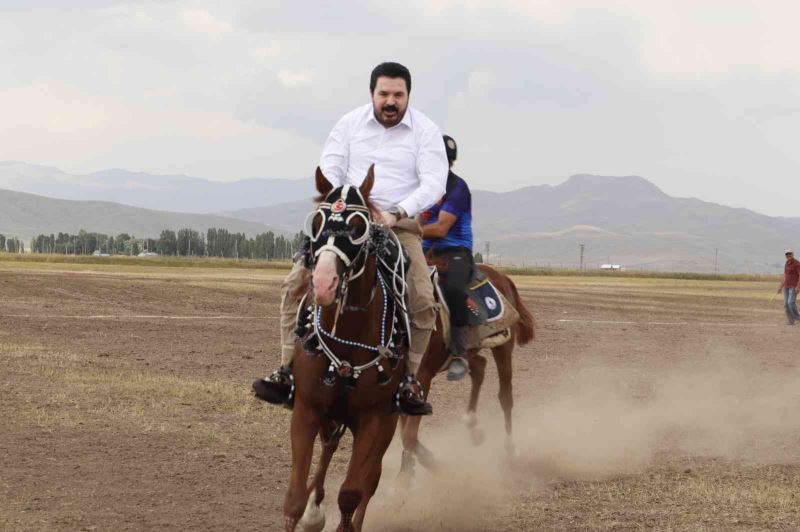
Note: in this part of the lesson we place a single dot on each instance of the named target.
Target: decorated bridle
(342, 224)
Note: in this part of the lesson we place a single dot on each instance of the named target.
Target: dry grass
(82, 394)
(640, 441)
(641, 274)
(163, 262)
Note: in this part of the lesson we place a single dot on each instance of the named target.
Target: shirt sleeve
(432, 172)
(335, 157)
(457, 201)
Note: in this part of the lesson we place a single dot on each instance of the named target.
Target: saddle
(491, 315)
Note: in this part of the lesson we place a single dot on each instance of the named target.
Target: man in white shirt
(410, 175)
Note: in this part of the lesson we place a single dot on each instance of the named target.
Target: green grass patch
(161, 262)
(261, 264)
(692, 276)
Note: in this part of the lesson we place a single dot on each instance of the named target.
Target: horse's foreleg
(369, 445)
(329, 438)
(313, 519)
(373, 471)
(409, 428)
(502, 357)
(304, 428)
(477, 372)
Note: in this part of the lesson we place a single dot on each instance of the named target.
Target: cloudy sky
(702, 97)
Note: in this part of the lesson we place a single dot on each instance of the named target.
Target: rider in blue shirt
(447, 234)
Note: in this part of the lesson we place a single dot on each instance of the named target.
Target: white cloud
(294, 78)
(699, 96)
(82, 133)
(202, 21)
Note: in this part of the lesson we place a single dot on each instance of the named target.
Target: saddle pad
(481, 334)
(484, 303)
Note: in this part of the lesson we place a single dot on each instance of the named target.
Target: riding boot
(411, 395)
(277, 389)
(412, 401)
(459, 365)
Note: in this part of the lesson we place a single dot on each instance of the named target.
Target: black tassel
(311, 344)
(330, 377)
(383, 377)
(350, 382)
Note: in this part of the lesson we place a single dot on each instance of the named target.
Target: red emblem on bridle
(338, 206)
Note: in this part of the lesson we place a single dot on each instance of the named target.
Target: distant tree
(168, 243)
(2, 243)
(478, 258)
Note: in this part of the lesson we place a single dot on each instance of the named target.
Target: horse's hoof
(512, 453)
(313, 519)
(403, 481)
(477, 436)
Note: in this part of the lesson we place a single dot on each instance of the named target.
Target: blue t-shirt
(457, 200)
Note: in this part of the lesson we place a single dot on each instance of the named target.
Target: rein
(318, 339)
(343, 367)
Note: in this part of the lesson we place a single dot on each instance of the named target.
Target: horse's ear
(366, 185)
(323, 185)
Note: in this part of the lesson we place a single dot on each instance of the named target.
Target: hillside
(25, 215)
(621, 220)
(175, 193)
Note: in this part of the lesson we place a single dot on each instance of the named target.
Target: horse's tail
(526, 324)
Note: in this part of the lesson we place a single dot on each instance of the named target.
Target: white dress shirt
(410, 160)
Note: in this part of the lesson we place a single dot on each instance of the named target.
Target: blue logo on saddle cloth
(484, 303)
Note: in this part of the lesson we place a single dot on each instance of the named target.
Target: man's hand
(388, 220)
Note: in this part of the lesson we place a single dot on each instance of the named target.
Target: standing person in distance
(790, 286)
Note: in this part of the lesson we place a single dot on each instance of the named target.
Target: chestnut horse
(436, 356)
(350, 366)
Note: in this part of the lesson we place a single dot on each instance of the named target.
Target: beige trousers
(422, 306)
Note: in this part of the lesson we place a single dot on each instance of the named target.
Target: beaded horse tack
(352, 249)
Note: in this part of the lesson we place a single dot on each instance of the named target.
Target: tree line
(216, 242)
(11, 245)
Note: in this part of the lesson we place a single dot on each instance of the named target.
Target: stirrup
(277, 389)
(409, 402)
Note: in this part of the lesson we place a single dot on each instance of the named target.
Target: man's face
(390, 100)
(789, 256)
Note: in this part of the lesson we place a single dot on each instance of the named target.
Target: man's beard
(392, 119)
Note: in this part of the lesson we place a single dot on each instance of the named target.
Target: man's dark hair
(390, 70)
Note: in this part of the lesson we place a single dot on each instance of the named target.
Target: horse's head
(339, 233)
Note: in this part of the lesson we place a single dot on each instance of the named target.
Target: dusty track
(140, 423)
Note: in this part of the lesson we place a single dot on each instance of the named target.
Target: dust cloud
(597, 422)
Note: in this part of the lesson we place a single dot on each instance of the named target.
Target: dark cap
(450, 147)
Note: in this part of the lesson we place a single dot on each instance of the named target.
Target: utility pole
(582, 248)
(716, 256)
(488, 247)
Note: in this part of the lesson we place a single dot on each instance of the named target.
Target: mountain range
(176, 193)
(619, 220)
(26, 215)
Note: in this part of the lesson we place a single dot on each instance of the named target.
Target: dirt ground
(642, 404)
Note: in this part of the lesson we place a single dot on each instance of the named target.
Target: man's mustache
(390, 108)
